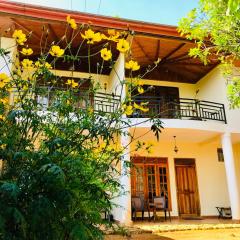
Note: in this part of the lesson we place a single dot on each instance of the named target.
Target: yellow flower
(113, 35)
(72, 83)
(132, 65)
(98, 37)
(47, 65)
(3, 146)
(2, 118)
(19, 36)
(56, 51)
(111, 32)
(27, 64)
(140, 90)
(4, 101)
(27, 51)
(4, 79)
(106, 54)
(123, 46)
(38, 64)
(71, 22)
(141, 107)
(128, 109)
(91, 37)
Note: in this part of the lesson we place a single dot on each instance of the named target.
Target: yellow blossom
(56, 51)
(123, 46)
(4, 79)
(4, 101)
(113, 35)
(71, 22)
(38, 64)
(19, 36)
(132, 65)
(72, 83)
(128, 109)
(3, 146)
(106, 54)
(140, 90)
(27, 51)
(141, 107)
(27, 64)
(2, 118)
(91, 37)
(47, 65)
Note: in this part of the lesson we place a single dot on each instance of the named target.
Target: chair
(137, 206)
(161, 204)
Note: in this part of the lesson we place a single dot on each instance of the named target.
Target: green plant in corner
(214, 25)
(60, 161)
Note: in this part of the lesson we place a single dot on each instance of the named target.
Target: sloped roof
(150, 41)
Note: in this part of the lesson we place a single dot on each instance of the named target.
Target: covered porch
(195, 179)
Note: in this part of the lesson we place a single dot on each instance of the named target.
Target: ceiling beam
(172, 52)
(144, 52)
(52, 32)
(158, 49)
(26, 29)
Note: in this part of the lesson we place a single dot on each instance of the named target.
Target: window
(150, 178)
(220, 155)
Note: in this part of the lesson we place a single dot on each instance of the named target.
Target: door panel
(150, 179)
(187, 190)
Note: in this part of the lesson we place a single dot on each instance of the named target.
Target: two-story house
(196, 161)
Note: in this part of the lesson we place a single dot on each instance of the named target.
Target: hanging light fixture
(175, 145)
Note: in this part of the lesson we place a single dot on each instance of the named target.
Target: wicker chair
(160, 204)
(137, 206)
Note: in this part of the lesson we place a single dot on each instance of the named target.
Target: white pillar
(126, 181)
(232, 182)
(122, 213)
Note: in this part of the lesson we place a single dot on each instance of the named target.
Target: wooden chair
(160, 204)
(137, 206)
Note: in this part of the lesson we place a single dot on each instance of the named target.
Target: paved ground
(207, 229)
(215, 234)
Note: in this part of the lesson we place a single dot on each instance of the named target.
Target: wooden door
(187, 189)
(150, 178)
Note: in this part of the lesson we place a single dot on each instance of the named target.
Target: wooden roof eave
(59, 15)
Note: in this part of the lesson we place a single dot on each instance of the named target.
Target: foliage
(60, 161)
(214, 25)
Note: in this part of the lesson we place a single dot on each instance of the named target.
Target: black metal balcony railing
(98, 101)
(182, 108)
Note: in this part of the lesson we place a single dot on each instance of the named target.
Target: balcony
(100, 102)
(182, 108)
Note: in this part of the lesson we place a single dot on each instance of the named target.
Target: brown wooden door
(187, 190)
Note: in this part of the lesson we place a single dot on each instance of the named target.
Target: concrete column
(122, 213)
(116, 77)
(232, 182)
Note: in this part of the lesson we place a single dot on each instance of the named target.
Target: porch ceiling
(151, 41)
(182, 135)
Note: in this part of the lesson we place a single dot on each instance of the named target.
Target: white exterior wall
(186, 90)
(212, 87)
(211, 174)
(10, 45)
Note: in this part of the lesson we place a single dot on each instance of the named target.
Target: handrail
(99, 101)
(159, 107)
(182, 108)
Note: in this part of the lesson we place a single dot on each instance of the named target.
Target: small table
(224, 212)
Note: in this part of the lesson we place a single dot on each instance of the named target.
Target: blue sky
(157, 11)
